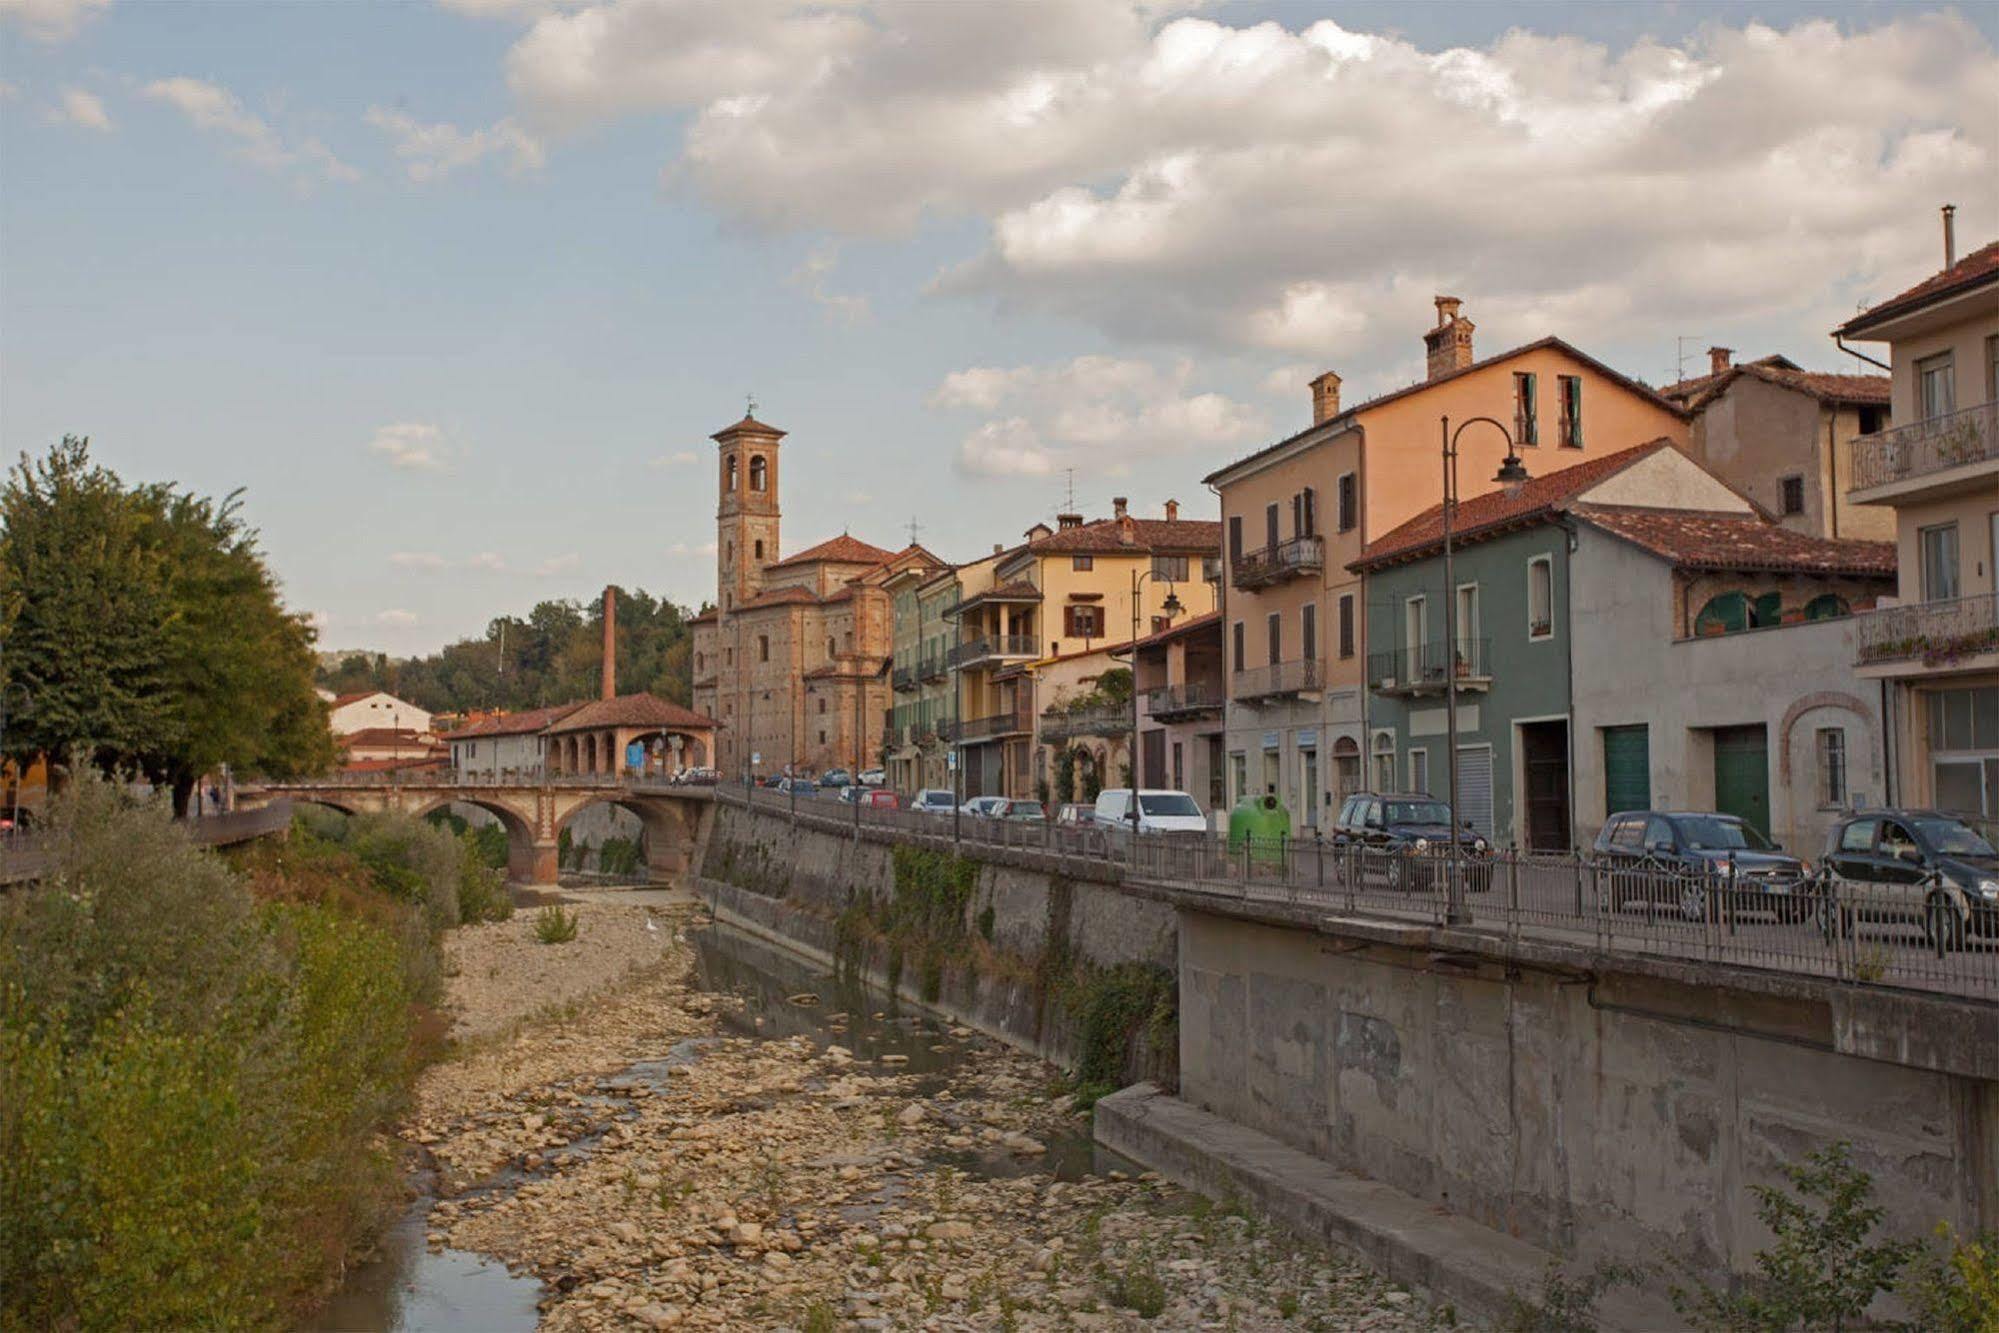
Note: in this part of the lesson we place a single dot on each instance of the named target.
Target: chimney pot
(1118, 504)
(1172, 511)
(998, 547)
(1718, 359)
(1325, 398)
(1449, 344)
(1447, 309)
(1066, 521)
(610, 684)
(1949, 235)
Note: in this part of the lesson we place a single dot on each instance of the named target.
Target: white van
(1158, 811)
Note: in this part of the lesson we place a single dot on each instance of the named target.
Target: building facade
(1182, 706)
(375, 710)
(1934, 655)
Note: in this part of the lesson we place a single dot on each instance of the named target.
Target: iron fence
(1426, 668)
(1920, 448)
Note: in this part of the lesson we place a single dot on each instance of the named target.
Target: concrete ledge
(1451, 1259)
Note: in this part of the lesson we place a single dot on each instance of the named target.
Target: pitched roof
(1185, 629)
(1705, 540)
(342, 700)
(1147, 535)
(1975, 269)
(1347, 415)
(787, 596)
(1536, 499)
(376, 737)
(749, 425)
(1698, 392)
(841, 550)
(631, 710)
(708, 616)
(523, 723)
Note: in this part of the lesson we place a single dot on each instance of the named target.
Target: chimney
(1037, 532)
(1118, 503)
(1172, 511)
(998, 547)
(1063, 522)
(1718, 359)
(610, 686)
(1949, 235)
(1449, 344)
(1325, 397)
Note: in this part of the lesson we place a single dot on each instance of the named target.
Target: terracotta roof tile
(1980, 266)
(791, 596)
(1702, 540)
(522, 723)
(376, 737)
(841, 550)
(631, 710)
(749, 425)
(1106, 535)
(1696, 393)
(707, 617)
(1210, 620)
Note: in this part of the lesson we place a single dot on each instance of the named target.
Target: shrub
(482, 889)
(552, 925)
(1566, 1304)
(618, 856)
(1957, 1291)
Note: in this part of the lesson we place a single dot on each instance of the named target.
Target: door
(1627, 769)
(1475, 788)
(1742, 775)
(1852, 856)
(1152, 746)
(1544, 762)
(1308, 787)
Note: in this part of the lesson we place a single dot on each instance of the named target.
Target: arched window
(729, 473)
(1384, 761)
(822, 704)
(1827, 606)
(759, 473)
(1724, 613)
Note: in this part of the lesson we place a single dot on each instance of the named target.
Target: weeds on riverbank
(552, 925)
(196, 1064)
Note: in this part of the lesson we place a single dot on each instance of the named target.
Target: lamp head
(1512, 474)
(1171, 606)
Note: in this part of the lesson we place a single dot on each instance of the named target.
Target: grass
(552, 925)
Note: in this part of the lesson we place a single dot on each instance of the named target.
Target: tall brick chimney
(1325, 397)
(610, 686)
(1718, 359)
(1118, 505)
(1449, 344)
(1172, 511)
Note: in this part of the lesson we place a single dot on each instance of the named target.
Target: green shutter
(1627, 769)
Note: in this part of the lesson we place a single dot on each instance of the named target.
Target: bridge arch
(668, 829)
(519, 828)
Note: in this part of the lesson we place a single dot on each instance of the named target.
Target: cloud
(216, 110)
(434, 150)
(395, 618)
(1097, 413)
(811, 278)
(50, 20)
(415, 445)
(421, 561)
(483, 562)
(558, 564)
(858, 498)
(682, 458)
(79, 107)
(692, 548)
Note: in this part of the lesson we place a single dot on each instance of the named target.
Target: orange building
(1296, 512)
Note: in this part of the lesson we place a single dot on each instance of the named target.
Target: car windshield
(1418, 812)
(1949, 837)
(1025, 809)
(1710, 834)
(1168, 803)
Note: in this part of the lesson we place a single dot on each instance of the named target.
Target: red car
(880, 798)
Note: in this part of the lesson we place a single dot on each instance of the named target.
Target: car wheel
(1942, 926)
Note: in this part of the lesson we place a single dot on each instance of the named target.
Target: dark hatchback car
(1924, 866)
(1688, 860)
(1415, 831)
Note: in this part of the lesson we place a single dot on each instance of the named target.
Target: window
(1827, 606)
(1992, 368)
(1172, 568)
(729, 656)
(1082, 562)
(1832, 768)
(728, 555)
(1237, 645)
(1346, 624)
(1468, 654)
(1310, 508)
(1526, 424)
(698, 662)
(1274, 623)
(1415, 629)
(1349, 502)
(1270, 525)
(822, 709)
(763, 647)
(1936, 386)
(729, 473)
(760, 548)
(1235, 537)
(1727, 612)
(1939, 562)
(1858, 836)
(1308, 631)
(1540, 597)
(1419, 771)
(759, 474)
(1872, 418)
(1083, 622)
(1384, 761)
(1791, 496)
(1572, 411)
(829, 649)
(822, 738)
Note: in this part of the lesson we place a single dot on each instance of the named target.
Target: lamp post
(1512, 475)
(1171, 606)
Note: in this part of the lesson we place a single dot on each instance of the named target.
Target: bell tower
(747, 517)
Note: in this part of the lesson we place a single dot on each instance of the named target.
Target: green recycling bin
(1260, 824)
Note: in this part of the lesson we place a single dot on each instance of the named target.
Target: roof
(1494, 510)
(1014, 590)
(789, 596)
(342, 700)
(1107, 535)
(522, 723)
(1185, 629)
(1347, 415)
(708, 616)
(841, 550)
(749, 425)
(376, 737)
(1974, 270)
(1746, 542)
(429, 759)
(631, 710)
(1698, 392)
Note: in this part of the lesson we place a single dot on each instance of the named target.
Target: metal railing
(1273, 564)
(1185, 700)
(1939, 633)
(25, 853)
(1013, 723)
(1921, 448)
(993, 645)
(1926, 936)
(1278, 678)
(1424, 669)
(933, 667)
(1109, 719)
(903, 679)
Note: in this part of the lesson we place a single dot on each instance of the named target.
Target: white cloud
(488, 561)
(683, 458)
(558, 564)
(811, 277)
(1097, 413)
(215, 109)
(395, 618)
(419, 561)
(434, 150)
(412, 444)
(859, 498)
(50, 20)
(704, 549)
(483, 562)
(82, 108)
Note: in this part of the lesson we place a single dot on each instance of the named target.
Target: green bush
(1957, 1290)
(552, 925)
(196, 1069)
(1566, 1304)
(619, 856)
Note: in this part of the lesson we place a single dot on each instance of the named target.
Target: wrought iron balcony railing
(1285, 560)
(1172, 703)
(1924, 448)
(1018, 722)
(992, 646)
(1279, 678)
(1108, 719)
(933, 667)
(1935, 633)
(904, 679)
(1427, 668)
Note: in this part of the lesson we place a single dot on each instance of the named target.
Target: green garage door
(1742, 775)
(1627, 769)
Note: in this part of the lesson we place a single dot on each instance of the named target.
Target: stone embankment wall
(1042, 951)
(1591, 1106)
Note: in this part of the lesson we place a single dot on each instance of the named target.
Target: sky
(456, 292)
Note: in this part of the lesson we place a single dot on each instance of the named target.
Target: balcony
(1178, 703)
(992, 648)
(1278, 680)
(1275, 564)
(1019, 722)
(1061, 724)
(933, 668)
(1927, 459)
(1937, 636)
(904, 679)
(1409, 672)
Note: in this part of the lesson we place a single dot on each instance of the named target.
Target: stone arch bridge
(674, 818)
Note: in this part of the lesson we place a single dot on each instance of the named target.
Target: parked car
(1920, 866)
(847, 795)
(983, 806)
(1020, 810)
(697, 777)
(836, 777)
(802, 788)
(1072, 813)
(1409, 837)
(934, 801)
(873, 777)
(1159, 811)
(1692, 860)
(876, 798)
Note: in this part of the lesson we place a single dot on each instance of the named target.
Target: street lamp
(1512, 475)
(1171, 606)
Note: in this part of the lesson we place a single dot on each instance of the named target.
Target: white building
(376, 710)
(510, 746)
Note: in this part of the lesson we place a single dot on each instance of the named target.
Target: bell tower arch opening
(747, 515)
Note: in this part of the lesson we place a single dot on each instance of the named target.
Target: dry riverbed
(661, 1156)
